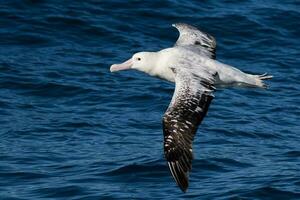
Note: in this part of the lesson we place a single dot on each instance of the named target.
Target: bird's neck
(157, 65)
(161, 67)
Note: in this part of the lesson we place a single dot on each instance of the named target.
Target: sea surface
(70, 129)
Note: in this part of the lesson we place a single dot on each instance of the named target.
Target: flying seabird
(191, 64)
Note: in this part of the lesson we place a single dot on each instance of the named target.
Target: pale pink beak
(123, 66)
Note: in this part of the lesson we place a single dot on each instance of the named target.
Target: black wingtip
(183, 185)
(179, 175)
(183, 189)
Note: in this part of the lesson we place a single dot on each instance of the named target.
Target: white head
(142, 61)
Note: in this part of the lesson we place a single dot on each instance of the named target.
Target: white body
(160, 64)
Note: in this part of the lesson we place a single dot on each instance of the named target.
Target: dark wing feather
(193, 38)
(187, 109)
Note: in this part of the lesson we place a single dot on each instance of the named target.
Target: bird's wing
(187, 109)
(191, 37)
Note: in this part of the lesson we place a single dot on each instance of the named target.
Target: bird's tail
(259, 80)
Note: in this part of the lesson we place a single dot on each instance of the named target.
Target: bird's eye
(138, 59)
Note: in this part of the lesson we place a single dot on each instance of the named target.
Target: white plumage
(192, 66)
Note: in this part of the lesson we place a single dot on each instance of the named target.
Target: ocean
(70, 129)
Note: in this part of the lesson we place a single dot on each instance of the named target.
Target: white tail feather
(260, 78)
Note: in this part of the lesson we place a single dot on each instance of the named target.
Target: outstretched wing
(190, 36)
(187, 109)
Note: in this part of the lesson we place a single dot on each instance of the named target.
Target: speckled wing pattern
(191, 37)
(186, 111)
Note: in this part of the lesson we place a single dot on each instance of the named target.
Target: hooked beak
(123, 66)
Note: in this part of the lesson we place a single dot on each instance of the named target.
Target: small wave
(23, 175)
(270, 192)
(66, 21)
(146, 170)
(60, 192)
(219, 164)
(232, 163)
(48, 89)
(24, 39)
(8, 68)
(292, 154)
(207, 165)
(79, 124)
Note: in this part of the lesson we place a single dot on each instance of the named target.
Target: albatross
(191, 63)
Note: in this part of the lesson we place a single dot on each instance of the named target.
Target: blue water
(69, 129)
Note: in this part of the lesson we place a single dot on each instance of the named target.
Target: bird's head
(142, 61)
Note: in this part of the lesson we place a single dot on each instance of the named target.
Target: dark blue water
(69, 129)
